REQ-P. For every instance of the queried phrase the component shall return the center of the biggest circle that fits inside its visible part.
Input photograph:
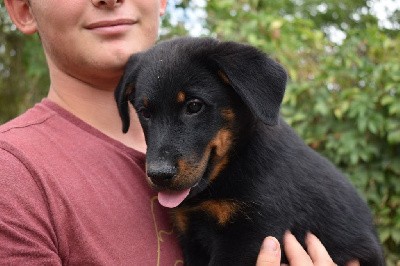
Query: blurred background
(343, 97)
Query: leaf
(394, 136)
(395, 234)
(394, 108)
(387, 99)
(394, 165)
(384, 234)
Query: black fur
(257, 163)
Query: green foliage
(349, 112)
(168, 29)
(342, 99)
(22, 55)
(23, 72)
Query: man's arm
(26, 229)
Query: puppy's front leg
(238, 253)
(194, 254)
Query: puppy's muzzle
(161, 174)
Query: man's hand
(316, 255)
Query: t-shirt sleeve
(27, 236)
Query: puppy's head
(193, 97)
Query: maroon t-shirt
(70, 195)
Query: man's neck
(96, 107)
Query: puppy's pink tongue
(171, 199)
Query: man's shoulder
(26, 131)
(35, 116)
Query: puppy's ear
(256, 78)
(125, 88)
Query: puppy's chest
(212, 214)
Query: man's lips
(110, 23)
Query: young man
(72, 186)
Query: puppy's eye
(194, 106)
(145, 113)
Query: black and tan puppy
(231, 170)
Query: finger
(353, 263)
(270, 253)
(295, 253)
(317, 251)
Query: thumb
(270, 253)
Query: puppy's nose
(161, 173)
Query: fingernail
(310, 236)
(270, 244)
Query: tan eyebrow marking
(224, 77)
(181, 97)
(145, 102)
